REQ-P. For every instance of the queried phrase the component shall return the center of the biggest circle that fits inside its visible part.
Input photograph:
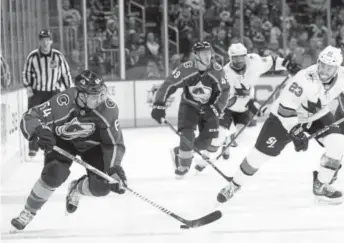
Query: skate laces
(229, 190)
(25, 216)
(74, 196)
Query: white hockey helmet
(331, 56)
(329, 61)
(237, 49)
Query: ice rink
(276, 207)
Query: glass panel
(103, 38)
(222, 26)
(6, 45)
(55, 25)
(73, 35)
(144, 39)
(337, 24)
(306, 29)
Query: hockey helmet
(237, 49)
(201, 45)
(88, 82)
(331, 56)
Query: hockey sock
(249, 166)
(83, 187)
(185, 158)
(328, 168)
(39, 195)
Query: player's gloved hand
(45, 138)
(158, 112)
(118, 174)
(210, 111)
(299, 138)
(254, 107)
(290, 65)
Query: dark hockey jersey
(199, 88)
(84, 128)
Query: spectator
(70, 16)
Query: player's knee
(55, 173)
(189, 135)
(202, 143)
(334, 145)
(98, 186)
(217, 142)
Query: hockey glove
(299, 138)
(210, 111)
(290, 65)
(254, 107)
(158, 112)
(118, 174)
(44, 137)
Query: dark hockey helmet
(88, 82)
(45, 33)
(201, 45)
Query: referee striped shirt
(46, 72)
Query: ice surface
(276, 207)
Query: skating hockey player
(83, 121)
(205, 95)
(303, 107)
(242, 72)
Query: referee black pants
(38, 98)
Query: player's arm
(222, 93)
(173, 82)
(36, 117)
(111, 137)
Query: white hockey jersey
(242, 82)
(305, 98)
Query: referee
(46, 73)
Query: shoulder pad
(107, 112)
(66, 97)
(217, 66)
(109, 103)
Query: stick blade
(202, 221)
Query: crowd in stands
(303, 31)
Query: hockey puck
(184, 226)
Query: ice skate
(20, 222)
(227, 192)
(73, 196)
(325, 192)
(180, 170)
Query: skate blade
(14, 230)
(325, 201)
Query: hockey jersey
(242, 82)
(199, 88)
(84, 128)
(305, 98)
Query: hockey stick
(192, 146)
(186, 223)
(259, 110)
(325, 129)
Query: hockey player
(340, 111)
(205, 95)
(242, 72)
(303, 107)
(83, 121)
